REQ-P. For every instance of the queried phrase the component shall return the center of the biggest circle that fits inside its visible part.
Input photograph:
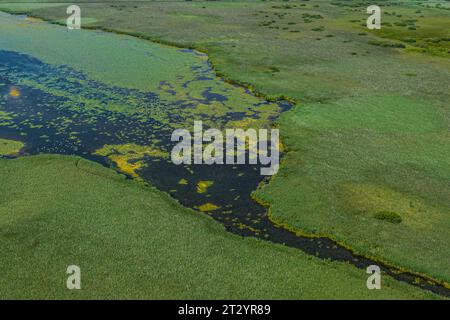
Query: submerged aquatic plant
(202, 186)
(207, 207)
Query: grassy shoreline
(343, 244)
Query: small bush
(386, 44)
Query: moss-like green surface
(135, 242)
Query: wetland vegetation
(10, 147)
(366, 137)
(135, 242)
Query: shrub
(388, 216)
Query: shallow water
(75, 108)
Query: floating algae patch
(117, 102)
(10, 147)
(129, 158)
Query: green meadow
(371, 172)
(366, 162)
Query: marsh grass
(134, 242)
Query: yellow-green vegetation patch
(84, 21)
(10, 147)
(422, 28)
(207, 207)
(129, 157)
(202, 186)
(389, 216)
